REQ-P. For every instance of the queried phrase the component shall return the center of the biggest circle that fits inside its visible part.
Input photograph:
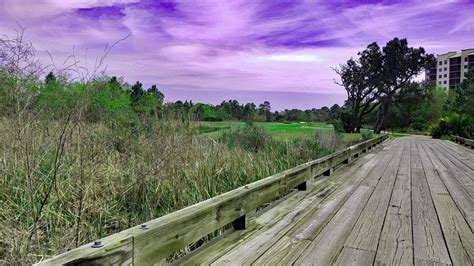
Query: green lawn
(282, 131)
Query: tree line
(112, 97)
(232, 110)
(382, 93)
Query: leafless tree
(19, 68)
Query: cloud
(22, 9)
(241, 45)
(292, 58)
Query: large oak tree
(400, 65)
(360, 78)
(373, 80)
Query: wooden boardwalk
(408, 201)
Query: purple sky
(253, 50)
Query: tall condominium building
(451, 68)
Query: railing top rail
(163, 236)
(461, 140)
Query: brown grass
(65, 183)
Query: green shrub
(307, 149)
(455, 124)
(418, 124)
(366, 134)
(337, 125)
(250, 138)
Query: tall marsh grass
(66, 182)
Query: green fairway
(280, 131)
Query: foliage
(112, 178)
(417, 106)
(360, 78)
(85, 158)
(264, 109)
(373, 80)
(204, 112)
(465, 98)
(337, 125)
(251, 138)
(367, 134)
(454, 124)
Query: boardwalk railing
(463, 141)
(156, 240)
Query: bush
(307, 149)
(337, 125)
(419, 124)
(329, 140)
(250, 138)
(366, 134)
(455, 124)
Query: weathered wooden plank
(420, 262)
(459, 194)
(253, 200)
(117, 250)
(309, 227)
(256, 245)
(462, 154)
(253, 247)
(459, 149)
(463, 141)
(428, 241)
(270, 216)
(271, 225)
(366, 232)
(463, 173)
(290, 249)
(373, 178)
(395, 246)
(327, 245)
(212, 251)
(464, 161)
(459, 238)
(352, 256)
(175, 231)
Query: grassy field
(59, 192)
(281, 131)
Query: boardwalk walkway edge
(463, 141)
(156, 240)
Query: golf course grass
(281, 131)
